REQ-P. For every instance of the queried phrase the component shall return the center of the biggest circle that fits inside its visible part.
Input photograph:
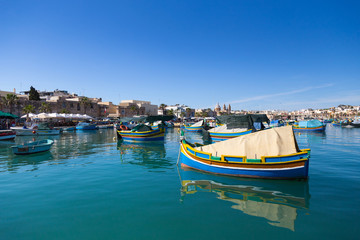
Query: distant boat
(277, 123)
(356, 122)
(85, 126)
(7, 134)
(336, 123)
(33, 147)
(36, 129)
(272, 153)
(310, 125)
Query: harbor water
(92, 186)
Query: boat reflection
(275, 200)
(150, 154)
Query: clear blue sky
(251, 54)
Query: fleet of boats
(249, 145)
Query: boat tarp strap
(269, 142)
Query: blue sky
(252, 54)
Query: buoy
(33, 132)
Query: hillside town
(61, 101)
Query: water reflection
(275, 200)
(151, 155)
(67, 145)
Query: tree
(64, 111)
(85, 101)
(134, 109)
(170, 112)
(163, 108)
(10, 100)
(34, 94)
(45, 107)
(188, 112)
(28, 109)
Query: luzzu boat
(272, 153)
(336, 123)
(234, 126)
(196, 127)
(310, 125)
(141, 133)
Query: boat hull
(314, 129)
(294, 166)
(92, 127)
(222, 136)
(148, 136)
(7, 135)
(31, 132)
(35, 147)
(193, 129)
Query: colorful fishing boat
(255, 197)
(141, 133)
(237, 125)
(196, 127)
(272, 153)
(33, 147)
(7, 134)
(276, 123)
(336, 123)
(313, 125)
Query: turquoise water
(90, 186)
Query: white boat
(36, 129)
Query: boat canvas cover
(270, 142)
(198, 124)
(224, 129)
(310, 123)
(243, 121)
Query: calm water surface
(90, 186)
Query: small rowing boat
(33, 147)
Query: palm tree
(85, 101)
(163, 108)
(10, 100)
(170, 112)
(45, 107)
(188, 112)
(134, 109)
(28, 109)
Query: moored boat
(85, 126)
(7, 134)
(310, 125)
(229, 127)
(272, 153)
(196, 127)
(356, 122)
(36, 129)
(33, 147)
(141, 133)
